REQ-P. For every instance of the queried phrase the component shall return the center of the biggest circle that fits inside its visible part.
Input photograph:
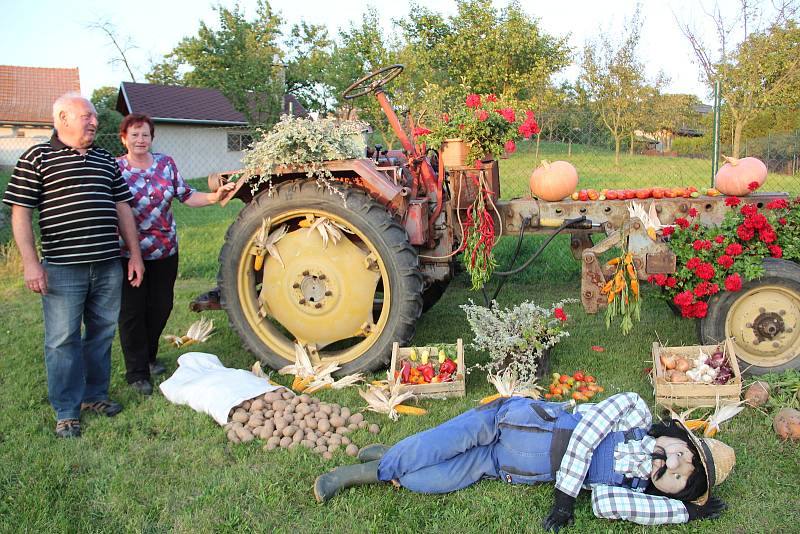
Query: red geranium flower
(713, 289)
(560, 315)
(702, 289)
(749, 210)
(776, 251)
(768, 235)
(733, 282)
(483, 115)
(752, 186)
(734, 249)
(510, 146)
(445, 118)
(683, 299)
(756, 221)
(732, 201)
(725, 261)
(705, 271)
(508, 114)
(667, 231)
(658, 279)
(778, 203)
(693, 263)
(744, 233)
(473, 101)
(699, 309)
(420, 130)
(701, 244)
(683, 223)
(491, 97)
(692, 212)
(719, 239)
(671, 281)
(782, 221)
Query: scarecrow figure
(638, 471)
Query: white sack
(204, 384)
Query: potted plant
(483, 127)
(518, 339)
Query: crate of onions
(696, 375)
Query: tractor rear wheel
(345, 299)
(763, 318)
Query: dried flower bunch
(711, 260)
(516, 337)
(296, 141)
(488, 123)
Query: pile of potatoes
(287, 420)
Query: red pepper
(426, 371)
(447, 366)
(444, 377)
(405, 372)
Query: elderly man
(82, 201)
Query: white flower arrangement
(517, 337)
(307, 143)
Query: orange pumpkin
(734, 177)
(554, 181)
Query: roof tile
(27, 93)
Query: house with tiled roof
(198, 127)
(26, 105)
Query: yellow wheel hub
(322, 294)
(764, 322)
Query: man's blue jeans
(79, 366)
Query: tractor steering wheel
(363, 85)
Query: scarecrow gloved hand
(561, 514)
(710, 510)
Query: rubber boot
(329, 484)
(372, 452)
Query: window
(239, 141)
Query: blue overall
(512, 439)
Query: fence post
(715, 155)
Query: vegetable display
(585, 195)
(578, 386)
(286, 420)
(479, 235)
(420, 368)
(706, 369)
(622, 290)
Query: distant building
(26, 106)
(198, 127)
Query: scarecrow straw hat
(717, 458)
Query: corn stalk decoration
(622, 290)
(309, 378)
(388, 399)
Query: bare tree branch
(110, 31)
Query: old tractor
(350, 300)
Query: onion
(679, 376)
(682, 365)
(668, 361)
(717, 360)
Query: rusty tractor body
(350, 299)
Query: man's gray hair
(63, 102)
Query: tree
(668, 115)
(613, 80)
(122, 47)
(761, 71)
(308, 54)
(108, 119)
(241, 59)
(488, 50)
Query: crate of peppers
(431, 372)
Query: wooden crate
(692, 394)
(456, 388)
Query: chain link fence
(679, 157)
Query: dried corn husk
(385, 400)
(198, 332)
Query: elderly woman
(638, 471)
(154, 181)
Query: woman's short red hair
(134, 119)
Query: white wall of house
(197, 150)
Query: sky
(49, 33)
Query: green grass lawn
(158, 467)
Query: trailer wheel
(345, 301)
(763, 318)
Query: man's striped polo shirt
(76, 195)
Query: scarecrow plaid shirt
(153, 190)
(620, 412)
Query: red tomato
(643, 193)
(583, 195)
(611, 195)
(578, 376)
(691, 189)
(669, 193)
(588, 378)
(592, 194)
(629, 194)
(563, 379)
(658, 193)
